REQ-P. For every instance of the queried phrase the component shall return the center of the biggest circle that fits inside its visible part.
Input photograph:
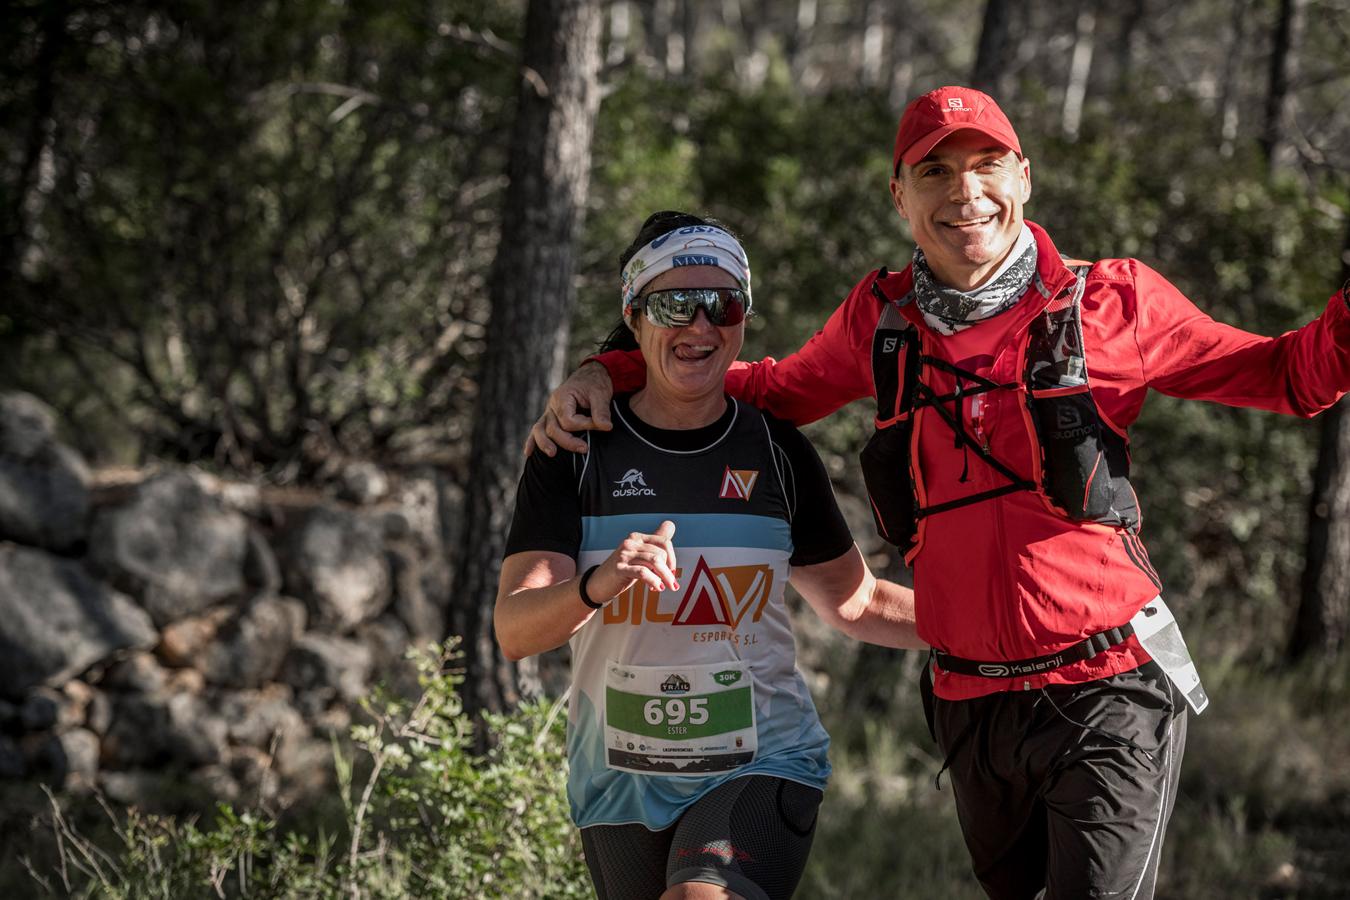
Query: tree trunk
(1323, 619)
(1230, 88)
(1080, 68)
(1129, 43)
(991, 59)
(871, 59)
(902, 52)
(1283, 71)
(531, 291)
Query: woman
(697, 760)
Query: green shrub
(423, 815)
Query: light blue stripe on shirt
(691, 530)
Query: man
(1005, 378)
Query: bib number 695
(674, 711)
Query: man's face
(963, 203)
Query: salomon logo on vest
(632, 484)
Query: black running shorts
(1068, 789)
(750, 835)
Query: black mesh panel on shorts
(758, 827)
(626, 861)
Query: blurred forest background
(267, 239)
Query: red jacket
(1007, 578)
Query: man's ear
(1026, 180)
(898, 195)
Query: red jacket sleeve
(1187, 354)
(832, 369)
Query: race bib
(679, 720)
(1160, 636)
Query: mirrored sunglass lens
(677, 307)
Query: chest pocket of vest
(885, 458)
(1085, 464)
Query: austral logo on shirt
(721, 597)
(738, 483)
(632, 484)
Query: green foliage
(424, 815)
(254, 235)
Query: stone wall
(165, 628)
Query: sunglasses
(677, 307)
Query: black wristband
(581, 589)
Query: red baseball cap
(931, 118)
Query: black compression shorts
(750, 835)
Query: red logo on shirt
(738, 483)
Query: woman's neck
(673, 413)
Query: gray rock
(387, 638)
(259, 782)
(98, 715)
(418, 609)
(137, 787)
(258, 718)
(261, 569)
(175, 546)
(139, 732)
(140, 673)
(12, 762)
(72, 758)
(337, 565)
(48, 708)
(362, 483)
(322, 669)
(183, 643)
(151, 730)
(196, 735)
(216, 781)
(418, 511)
(56, 621)
(249, 650)
(44, 493)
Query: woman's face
(689, 362)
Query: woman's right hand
(590, 388)
(649, 558)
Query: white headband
(693, 245)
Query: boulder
(44, 485)
(138, 733)
(182, 643)
(56, 621)
(388, 642)
(261, 569)
(362, 483)
(257, 718)
(139, 673)
(259, 783)
(197, 735)
(336, 563)
(417, 597)
(141, 788)
(98, 715)
(49, 708)
(72, 758)
(322, 669)
(12, 762)
(217, 782)
(153, 729)
(249, 650)
(175, 546)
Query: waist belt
(1085, 649)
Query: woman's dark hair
(657, 224)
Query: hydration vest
(1081, 464)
